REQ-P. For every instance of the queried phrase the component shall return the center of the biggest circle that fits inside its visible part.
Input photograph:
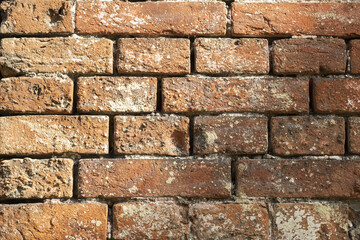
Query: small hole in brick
(56, 15)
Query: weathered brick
(308, 135)
(230, 134)
(354, 220)
(53, 221)
(300, 178)
(158, 220)
(164, 135)
(310, 221)
(36, 135)
(185, 177)
(64, 55)
(336, 95)
(355, 56)
(153, 55)
(151, 18)
(231, 94)
(51, 94)
(116, 94)
(36, 17)
(354, 135)
(286, 19)
(309, 56)
(32, 178)
(226, 55)
(230, 221)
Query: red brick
(230, 134)
(157, 220)
(286, 19)
(308, 135)
(309, 56)
(116, 94)
(226, 55)
(185, 177)
(354, 135)
(355, 56)
(231, 94)
(230, 221)
(153, 55)
(53, 221)
(164, 135)
(151, 18)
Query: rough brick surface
(353, 135)
(151, 18)
(205, 178)
(36, 95)
(230, 221)
(226, 55)
(116, 94)
(32, 178)
(159, 220)
(164, 135)
(247, 94)
(230, 134)
(64, 55)
(300, 178)
(286, 19)
(310, 221)
(308, 135)
(309, 56)
(87, 221)
(36, 17)
(36, 135)
(153, 55)
(355, 56)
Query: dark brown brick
(355, 56)
(354, 135)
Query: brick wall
(179, 120)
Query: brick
(53, 221)
(310, 221)
(157, 220)
(297, 178)
(153, 55)
(230, 134)
(151, 18)
(116, 94)
(233, 94)
(309, 56)
(243, 56)
(63, 55)
(354, 56)
(41, 135)
(308, 135)
(354, 220)
(230, 221)
(33, 178)
(336, 95)
(185, 177)
(353, 135)
(36, 17)
(163, 135)
(51, 94)
(286, 19)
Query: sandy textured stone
(151, 18)
(226, 55)
(230, 134)
(164, 135)
(286, 19)
(231, 94)
(42, 221)
(50, 94)
(158, 220)
(153, 55)
(32, 178)
(355, 56)
(230, 221)
(64, 55)
(36, 17)
(36, 135)
(116, 94)
(308, 135)
(353, 135)
(309, 56)
(299, 221)
(184, 177)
